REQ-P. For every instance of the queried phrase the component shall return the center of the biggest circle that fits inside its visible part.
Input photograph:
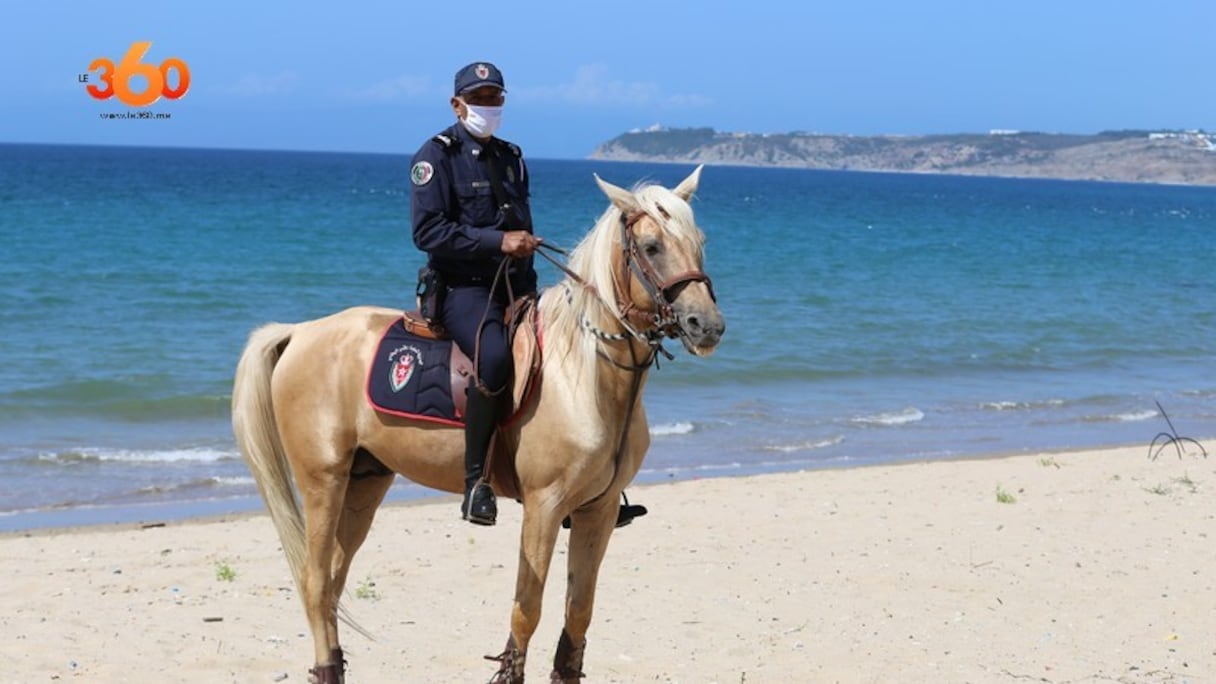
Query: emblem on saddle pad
(408, 358)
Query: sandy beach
(1096, 566)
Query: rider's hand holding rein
(519, 243)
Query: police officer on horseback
(470, 214)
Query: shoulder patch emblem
(421, 173)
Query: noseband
(662, 292)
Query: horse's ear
(688, 186)
(622, 198)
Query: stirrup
(628, 512)
(479, 506)
(624, 515)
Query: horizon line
(233, 149)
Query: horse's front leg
(590, 529)
(537, 539)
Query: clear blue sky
(376, 76)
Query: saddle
(419, 374)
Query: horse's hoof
(332, 673)
(510, 664)
(326, 674)
(568, 661)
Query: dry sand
(1102, 570)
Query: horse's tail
(257, 435)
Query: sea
(872, 318)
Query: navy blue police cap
(476, 75)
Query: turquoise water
(871, 317)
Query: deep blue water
(871, 317)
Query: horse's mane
(570, 350)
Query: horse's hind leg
(363, 497)
(590, 530)
(322, 483)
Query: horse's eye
(651, 248)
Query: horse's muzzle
(701, 330)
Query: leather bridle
(662, 292)
(655, 325)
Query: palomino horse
(299, 413)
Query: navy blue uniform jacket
(457, 220)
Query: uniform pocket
(477, 204)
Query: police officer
(469, 208)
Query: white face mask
(482, 122)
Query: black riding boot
(481, 414)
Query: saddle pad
(411, 376)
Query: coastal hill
(1178, 157)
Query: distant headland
(1134, 156)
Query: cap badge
(482, 71)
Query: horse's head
(661, 258)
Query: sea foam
(908, 415)
(668, 429)
(98, 454)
